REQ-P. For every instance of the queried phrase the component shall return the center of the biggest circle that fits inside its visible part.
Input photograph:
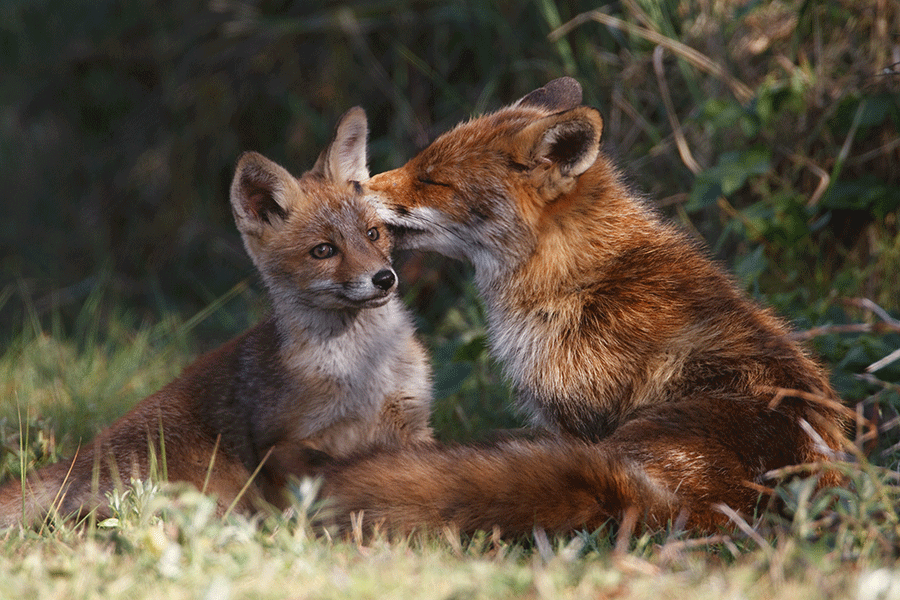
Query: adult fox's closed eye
(336, 368)
(652, 374)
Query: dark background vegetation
(768, 128)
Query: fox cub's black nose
(384, 279)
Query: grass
(168, 543)
(769, 129)
(189, 553)
(165, 539)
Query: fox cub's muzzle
(366, 291)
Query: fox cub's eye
(323, 251)
(373, 234)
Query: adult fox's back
(653, 376)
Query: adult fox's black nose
(384, 279)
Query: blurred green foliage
(120, 123)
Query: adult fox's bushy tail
(513, 485)
(653, 377)
(673, 465)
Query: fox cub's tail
(45, 494)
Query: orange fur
(336, 368)
(650, 373)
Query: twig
(841, 467)
(679, 198)
(888, 324)
(863, 437)
(639, 119)
(60, 498)
(867, 304)
(683, 150)
(543, 544)
(356, 527)
(745, 527)
(880, 364)
(350, 26)
(782, 393)
(622, 560)
(626, 528)
(869, 378)
(851, 135)
(822, 174)
(818, 443)
(888, 425)
(250, 481)
(891, 449)
(699, 60)
(451, 533)
(848, 328)
(829, 403)
(639, 13)
(212, 462)
(867, 156)
(675, 547)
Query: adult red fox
(335, 368)
(655, 379)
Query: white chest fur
(350, 370)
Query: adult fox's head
(315, 240)
(481, 190)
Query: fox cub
(661, 388)
(334, 369)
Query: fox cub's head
(314, 239)
(482, 187)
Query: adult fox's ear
(344, 159)
(560, 148)
(261, 193)
(558, 95)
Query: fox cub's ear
(344, 160)
(561, 147)
(261, 193)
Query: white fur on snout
(360, 292)
(485, 246)
(428, 228)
